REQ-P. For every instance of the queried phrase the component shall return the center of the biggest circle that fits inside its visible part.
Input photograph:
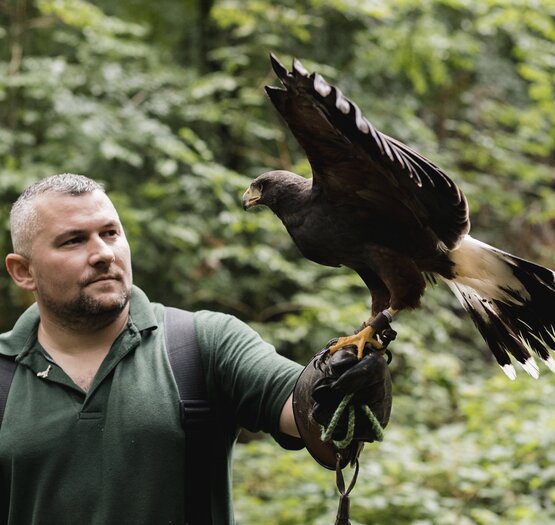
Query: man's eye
(73, 240)
(110, 233)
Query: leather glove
(320, 389)
(367, 381)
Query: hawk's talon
(376, 332)
(365, 336)
(389, 355)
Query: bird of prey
(378, 207)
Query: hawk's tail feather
(510, 300)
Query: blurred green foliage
(163, 101)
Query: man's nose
(101, 252)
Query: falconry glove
(340, 402)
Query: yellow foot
(360, 339)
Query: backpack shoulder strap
(184, 355)
(185, 360)
(7, 371)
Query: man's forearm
(287, 423)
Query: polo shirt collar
(24, 333)
(141, 311)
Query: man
(91, 432)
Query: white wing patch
(510, 301)
(487, 271)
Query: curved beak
(251, 197)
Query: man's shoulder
(217, 331)
(17, 340)
(212, 322)
(215, 319)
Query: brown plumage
(380, 208)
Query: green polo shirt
(114, 455)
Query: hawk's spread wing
(355, 164)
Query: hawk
(378, 207)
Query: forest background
(163, 101)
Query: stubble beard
(86, 313)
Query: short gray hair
(23, 215)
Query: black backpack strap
(7, 371)
(185, 360)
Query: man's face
(80, 259)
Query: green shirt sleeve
(246, 377)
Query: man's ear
(18, 267)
